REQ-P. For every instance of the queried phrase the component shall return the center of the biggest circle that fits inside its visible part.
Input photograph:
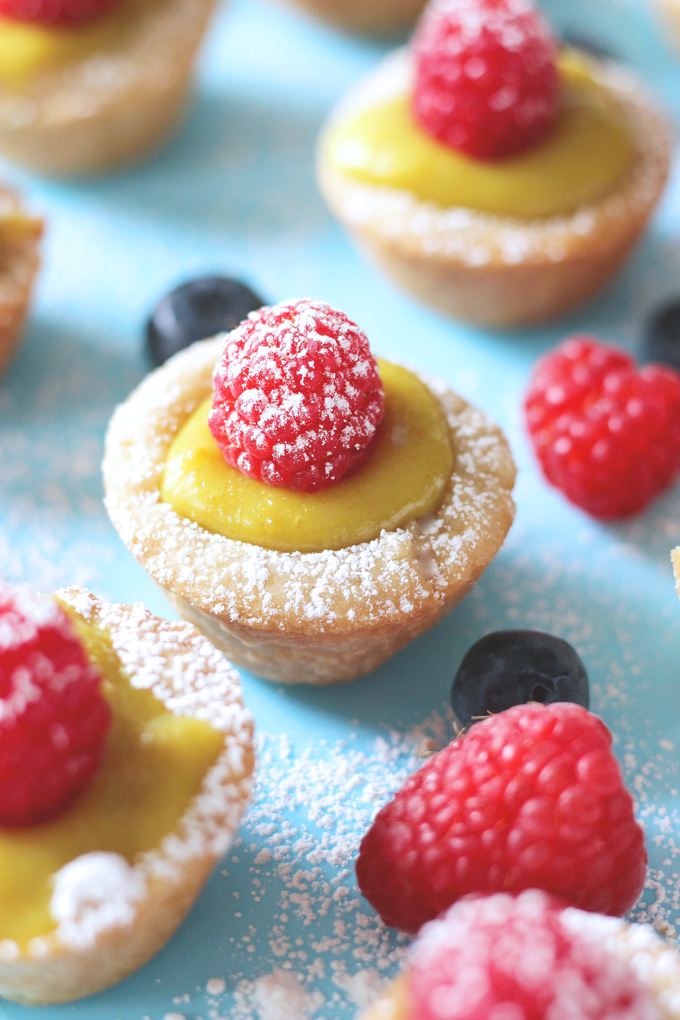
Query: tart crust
(495, 270)
(19, 264)
(112, 107)
(185, 673)
(313, 618)
(378, 17)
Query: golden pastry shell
(304, 617)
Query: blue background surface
(234, 193)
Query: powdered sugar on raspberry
(503, 955)
(297, 396)
(654, 961)
(22, 617)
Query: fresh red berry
(520, 957)
(55, 12)
(606, 433)
(486, 78)
(297, 396)
(53, 716)
(532, 797)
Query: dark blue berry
(662, 336)
(576, 41)
(196, 310)
(513, 667)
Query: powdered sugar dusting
(94, 892)
(318, 945)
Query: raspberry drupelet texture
(53, 716)
(486, 78)
(55, 12)
(514, 956)
(297, 396)
(606, 433)
(529, 798)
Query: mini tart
(189, 677)
(655, 962)
(313, 618)
(379, 17)
(112, 107)
(490, 269)
(20, 236)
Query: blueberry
(576, 41)
(662, 336)
(196, 310)
(513, 667)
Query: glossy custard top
(407, 471)
(585, 156)
(27, 49)
(154, 765)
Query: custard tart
(86, 98)
(91, 892)
(501, 240)
(308, 587)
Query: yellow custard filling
(405, 477)
(154, 765)
(585, 156)
(27, 49)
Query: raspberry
(55, 12)
(297, 396)
(486, 78)
(605, 433)
(517, 956)
(532, 797)
(53, 717)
